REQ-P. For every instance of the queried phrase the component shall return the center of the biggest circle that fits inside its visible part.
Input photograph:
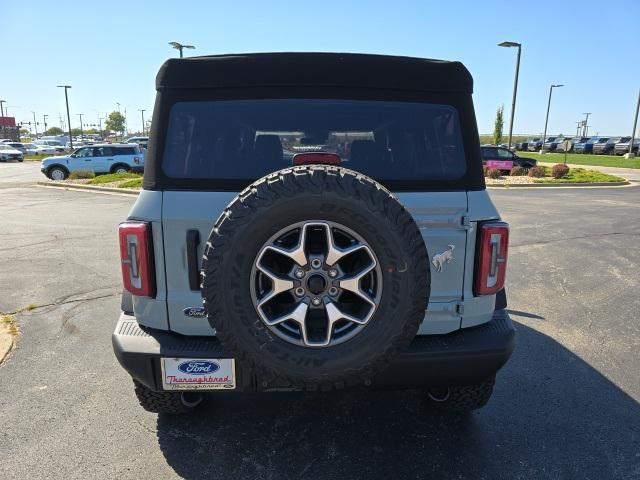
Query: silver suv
(313, 222)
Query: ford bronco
(313, 221)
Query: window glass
(104, 151)
(488, 153)
(85, 152)
(504, 154)
(246, 139)
(125, 150)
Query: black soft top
(314, 70)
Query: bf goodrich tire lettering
(320, 195)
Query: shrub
(81, 174)
(518, 171)
(485, 169)
(494, 173)
(559, 170)
(537, 172)
(133, 183)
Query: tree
(115, 122)
(75, 132)
(497, 126)
(54, 131)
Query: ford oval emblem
(195, 312)
(198, 367)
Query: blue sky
(110, 51)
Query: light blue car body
(107, 158)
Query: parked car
(57, 146)
(551, 144)
(587, 146)
(606, 147)
(524, 145)
(31, 149)
(302, 290)
(622, 146)
(17, 145)
(571, 145)
(537, 145)
(142, 141)
(99, 159)
(8, 153)
(503, 159)
(46, 150)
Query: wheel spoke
(296, 253)
(352, 284)
(334, 315)
(279, 285)
(298, 315)
(334, 253)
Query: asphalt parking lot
(565, 406)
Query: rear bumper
(460, 358)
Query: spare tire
(315, 277)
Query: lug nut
(333, 291)
(333, 273)
(316, 301)
(316, 263)
(299, 273)
(299, 292)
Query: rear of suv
(302, 230)
(99, 159)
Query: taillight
(136, 257)
(491, 258)
(322, 158)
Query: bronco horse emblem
(440, 259)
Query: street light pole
(2, 109)
(515, 85)
(546, 121)
(81, 133)
(142, 113)
(180, 47)
(633, 132)
(35, 124)
(66, 98)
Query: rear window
(246, 139)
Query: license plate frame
(198, 373)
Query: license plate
(198, 373)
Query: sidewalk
(632, 174)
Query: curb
(126, 191)
(561, 185)
(66, 186)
